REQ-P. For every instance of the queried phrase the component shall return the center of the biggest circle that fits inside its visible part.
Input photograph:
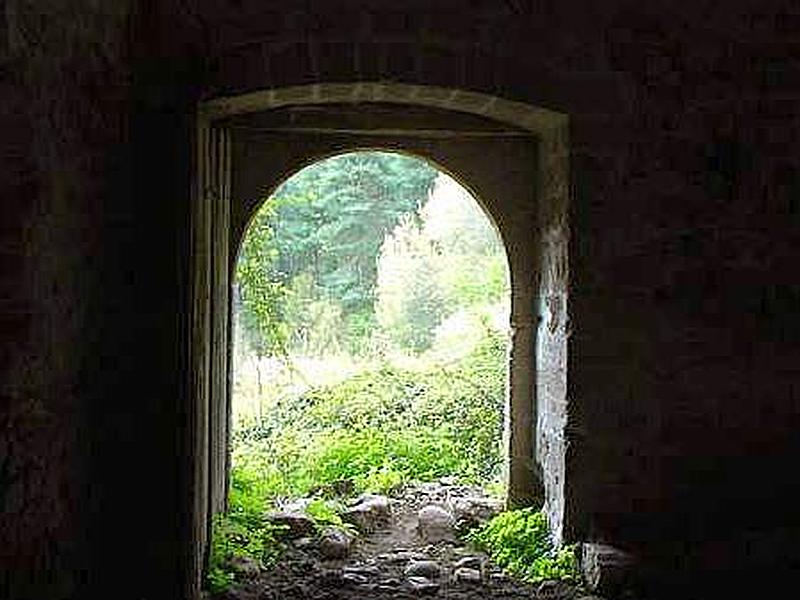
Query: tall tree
(447, 259)
(332, 216)
(312, 249)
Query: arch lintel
(540, 121)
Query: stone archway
(234, 132)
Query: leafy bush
(326, 513)
(383, 427)
(519, 541)
(259, 294)
(242, 532)
(377, 460)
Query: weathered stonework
(682, 413)
(553, 325)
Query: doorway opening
(373, 275)
(515, 159)
(371, 328)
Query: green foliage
(241, 532)
(473, 268)
(410, 301)
(376, 460)
(331, 217)
(326, 513)
(473, 280)
(356, 241)
(313, 318)
(308, 259)
(445, 259)
(519, 541)
(381, 428)
(219, 577)
(260, 295)
(358, 332)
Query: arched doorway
(370, 336)
(515, 158)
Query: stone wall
(552, 337)
(54, 148)
(90, 407)
(681, 440)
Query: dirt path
(409, 551)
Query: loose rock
(298, 505)
(367, 570)
(395, 561)
(435, 523)
(304, 543)
(423, 568)
(334, 543)
(553, 589)
(354, 578)
(297, 524)
(423, 585)
(467, 575)
(369, 512)
(402, 556)
(330, 578)
(468, 562)
(368, 587)
(471, 511)
(247, 567)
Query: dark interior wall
(91, 486)
(684, 336)
(55, 142)
(683, 294)
(41, 478)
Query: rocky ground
(407, 548)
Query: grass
(519, 541)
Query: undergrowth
(519, 541)
(242, 532)
(372, 432)
(382, 428)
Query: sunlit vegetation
(381, 427)
(372, 303)
(519, 541)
